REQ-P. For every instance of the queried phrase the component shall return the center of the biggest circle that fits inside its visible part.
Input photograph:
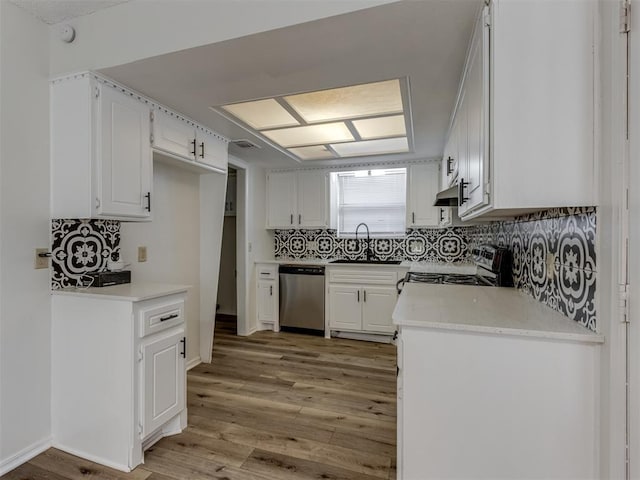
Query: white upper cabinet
(313, 189)
(524, 121)
(423, 185)
(101, 164)
(181, 139)
(297, 199)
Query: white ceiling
(424, 40)
(56, 11)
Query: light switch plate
(142, 254)
(551, 265)
(41, 262)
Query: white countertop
(133, 292)
(413, 266)
(495, 310)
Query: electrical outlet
(41, 262)
(551, 265)
(142, 254)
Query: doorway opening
(227, 297)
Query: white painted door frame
(242, 228)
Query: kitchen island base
(479, 405)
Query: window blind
(375, 197)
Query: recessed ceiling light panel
(377, 98)
(262, 114)
(310, 135)
(315, 152)
(372, 147)
(380, 127)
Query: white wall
(142, 29)
(25, 308)
(172, 240)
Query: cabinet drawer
(267, 272)
(368, 276)
(158, 317)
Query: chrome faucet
(368, 251)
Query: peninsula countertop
(494, 310)
(133, 292)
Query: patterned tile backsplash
(81, 246)
(566, 236)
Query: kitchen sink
(368, 262)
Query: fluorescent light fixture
(310, 135)
(315, 152)
(262, 114)
(380, 127)
(348, 102)
(351, 121)
(372, 147)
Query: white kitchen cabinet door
(313, 199)
(476, 88)
(124, 155)
(345, 310)
(424, 182)
(173, 135)
(267, 301)
(211, 151)
(281, 200)
(163, 381)
(377, 307)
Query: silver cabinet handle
(364, 293)
(271, 290)
(299, 219)
(358, 296)
(413, 217)
(292, 219)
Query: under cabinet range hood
(447, 198)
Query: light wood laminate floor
(272, 406)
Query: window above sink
(374, 197)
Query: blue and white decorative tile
(81, 246)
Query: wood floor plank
(271, 406)
(75, 468)
(29, 471)
(359, 460)
(284, 467)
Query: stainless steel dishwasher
(302, 297)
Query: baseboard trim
(24, 455)
(92, 458)
(194, 363)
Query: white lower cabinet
(377, 306)
(495, 405)
(267, 294)
(118, 373)
(163, 380)
(362, 300)
(345, 311)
